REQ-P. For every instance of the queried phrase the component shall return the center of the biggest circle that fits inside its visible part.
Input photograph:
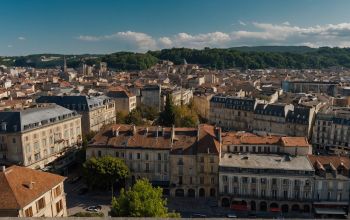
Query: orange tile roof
(13, 192)
(336, 161)
(295, 142)
(236, 138)
(186, 140)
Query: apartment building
(331, 132)
(332, 184)
(234, 113)
(230, 112)
(124, 101)
(273, 183)
(30, 193)
(184, 161)
(295, 86)
(38, 136)
(96, 111)
(194, 161)
(145, 150)
(151, 96)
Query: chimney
(146, 131)
(157, 133)
(3, 168)
(172, 133)
(134, 130)
(117, 132)
(3, 126)
(163, 132)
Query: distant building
(96, 111)
(329, 88)
(30, 193)
(36, 137)
(124, 101)
(247, 114)
(201, 103)
(151, 96)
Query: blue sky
(105, 26)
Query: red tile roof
(14, 194)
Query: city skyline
(76, 27)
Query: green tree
(121, 117)
(103, 172)
(167, 117)
(134, 117)
(141, 200)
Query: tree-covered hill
(240, 57)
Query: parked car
(94, 208)
(74, 180)
(83, 191)
(231, 215)
(198, 216)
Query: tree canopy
(167, 116)
(141, 200)
(103, 172)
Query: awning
(327, 211)
(275, 209)
(239, 207)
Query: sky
(106, 26)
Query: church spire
(64, 64)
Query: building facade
(124, 101)
(332, 184)
(263, 183)
(96, 111)
(36, 137)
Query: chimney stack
(3, 168)
(134, 130)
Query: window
(130, 156)
(245, 179)
(235, 179)
(59, 206)
(224, 179)
(29, 212)
(138, 156)
(147, 157)
(263, 193)
(202, 159)
(285, 194)
(147, 167)
(159, 167)
(226, 189)
(40, 204)
(14, 140)
(117, 154)
(99, 153)
(180, 180)
(202, 169)
(190, 180)
(263, 180)
(201, 180)
(211, 159)
(165, 168)
(253, 180)
(212, 180)
(57, 191)
(274, 181)
(274, 193)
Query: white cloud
(142, 41)
(21, 38)
(242, 23)
(258, 34)
(9, 46)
